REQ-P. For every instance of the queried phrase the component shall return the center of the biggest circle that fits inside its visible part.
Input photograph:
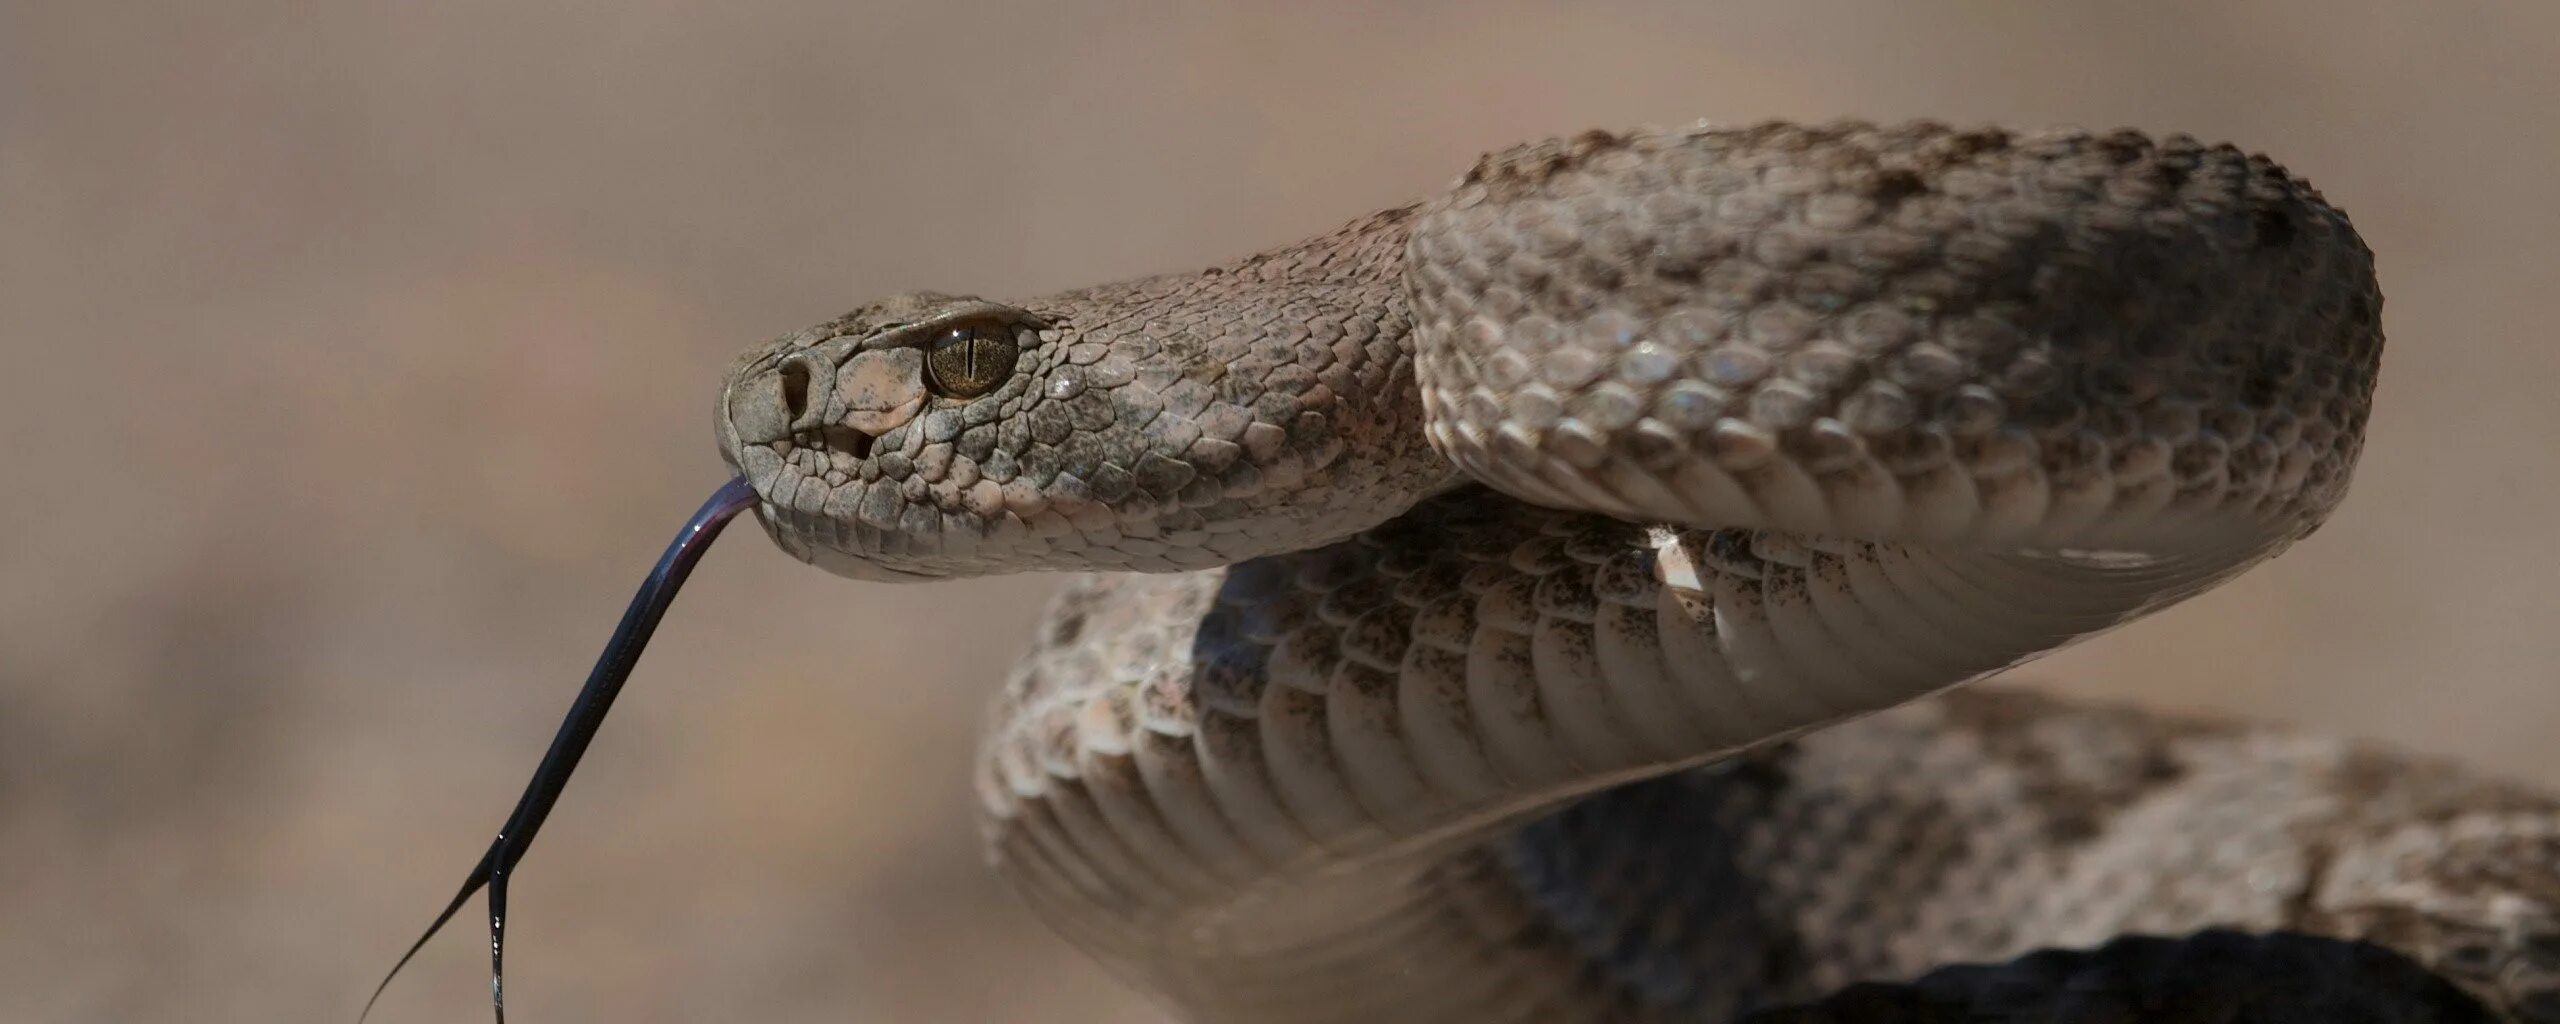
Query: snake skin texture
(1542, 603)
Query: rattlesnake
(1517, 606)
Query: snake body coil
(1487, 601)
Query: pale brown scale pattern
(2023, 305)
(1533, 604)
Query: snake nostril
(795, 389)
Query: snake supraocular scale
(1486, 600)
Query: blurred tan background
(356, 358)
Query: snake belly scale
(1518, 606)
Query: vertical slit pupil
(969, 360)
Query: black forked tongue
(596, 698)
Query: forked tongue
(567, 746)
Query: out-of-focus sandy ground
(355, 358)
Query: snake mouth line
(857, 549)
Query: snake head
(852, 432)
(1166, 424)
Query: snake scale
(1517, 606)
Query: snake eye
(969, 360)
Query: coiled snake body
(1486, 601)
